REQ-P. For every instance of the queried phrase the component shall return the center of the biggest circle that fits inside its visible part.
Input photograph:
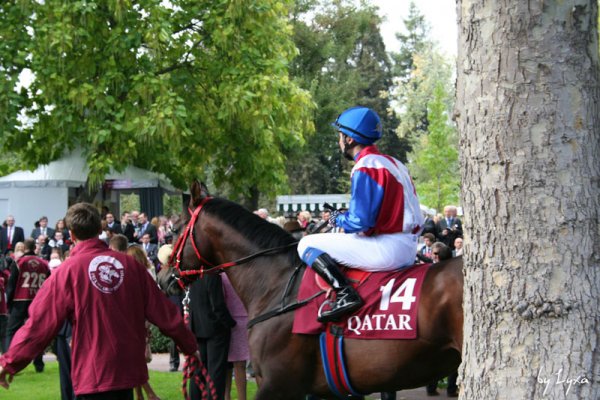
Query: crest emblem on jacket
(106, 273)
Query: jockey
(382, 223)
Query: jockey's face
(346, 146)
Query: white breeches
(369, 253)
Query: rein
(217, 269)
(209, 268)
(284, 308)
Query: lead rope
(193, 363)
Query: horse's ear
(198, 191)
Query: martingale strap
(334, 364)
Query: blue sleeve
(365, 202)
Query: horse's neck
(260, 283)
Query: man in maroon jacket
(107, 296)
(25, 280)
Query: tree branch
(186, 61)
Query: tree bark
(529, 123)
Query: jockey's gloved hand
(333, 215)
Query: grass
(29, 384)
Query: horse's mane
(262, 233)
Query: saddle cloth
(390, 310)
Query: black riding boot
(347, 299)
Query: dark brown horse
(288, 366)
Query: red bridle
(180, 245)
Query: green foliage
(129, 202)
(434, 163)
(172, 204)
(8, 163)
(167, 86)
(431, 69)
(424, 96)
(414, 41)
(159, 343)
(343, 63)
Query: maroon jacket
(107, 296)
(33, 271)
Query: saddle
(390, 310)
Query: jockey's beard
(346, 151)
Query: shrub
(159, 343)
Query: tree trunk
(529, 122)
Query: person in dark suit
(449, 227)
(150, 249)
(424, 253)
(43, 229)
(10, 235)
(112, 224)
(147, 227)
(211, 322)
(428, 226)
(59, 242)
(62, 349)
(127, 227)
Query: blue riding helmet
(360, 123)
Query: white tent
(27, 195)
(72, 171)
